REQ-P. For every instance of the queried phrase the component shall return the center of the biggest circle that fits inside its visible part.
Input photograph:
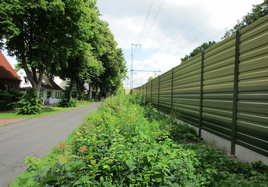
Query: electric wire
(221, 31)
(197, 25)
(155, 18)
(201, 34)
(146, 19)
(198, 36)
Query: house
(8, 76)
(50, 91)
(64, 84)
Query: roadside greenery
(28, 104)
(66, 100)
(128, 143)
(46, 110)
(7, 98)
(62, 38)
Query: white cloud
(180, 27)
(158, 61)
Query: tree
(113, 62)
(150, 79)
(198, 50)
(258, 11)
(39, 33)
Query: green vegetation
(28, 104)
(7, 98)
(150, 79)
(258, 11)
(198, 50)
(128, 143)
(63, 38)
(45, 111)
(66, 101)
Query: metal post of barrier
(146, 93)
(158, 91)
(201, 93)
(151, 91)
(236, 70)
(172, 89)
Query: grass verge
(125, 144)
(46, 111)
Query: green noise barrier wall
(223, 90)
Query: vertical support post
(235, 92)
(172, 89)
(158, 92)
(146, 93)
(201, 93)
(151, 91)
(131, 68)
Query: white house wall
(22, 74)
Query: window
(26, 80)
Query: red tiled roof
(6, 70)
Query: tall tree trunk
(91, 89)
(35, 82)
(71, 87)
(97, 90)
(107, 91)
(101, 92)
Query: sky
(166, 29)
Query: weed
(123, 145)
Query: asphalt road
(35, 137)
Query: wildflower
(62, 146)
(82, 149)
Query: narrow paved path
(35, 137)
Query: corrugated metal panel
(127, 91)
(218, 88)
(252, 115)
(155, 92)
(186, 89)
(165, 92)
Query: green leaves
(28, 104)
(105, 152)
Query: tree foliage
(63, 38)
(258, 11)
(150, 78)
(198, 50)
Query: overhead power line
(221, 31)
(198, 36)
(197, 24)
(147, 15)
(155, 18)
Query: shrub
(28, 103)
(8, 98)
(67, 101)
(119, 146)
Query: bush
(65, 101)
(119, 146)
(8, 98)
(28, 104)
